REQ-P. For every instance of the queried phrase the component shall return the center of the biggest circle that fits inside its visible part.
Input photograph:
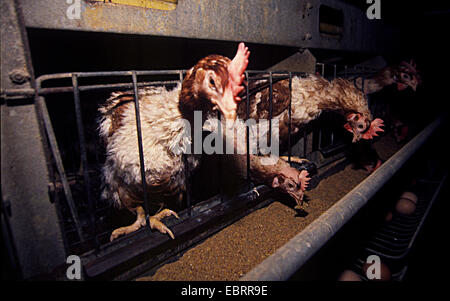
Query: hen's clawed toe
(156, 224)
(140, 222)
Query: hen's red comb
(304, 180)
(236, 70)
(375, 127)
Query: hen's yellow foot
(155, 223)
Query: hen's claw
(295, 159)
(158, 225)
(140, 222)
(155, 223)
(165, 213)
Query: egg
(407, 203)
(409, 195)
(385, 273)
(349, 275)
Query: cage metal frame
(75, 88)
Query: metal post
(24, 174)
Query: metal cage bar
(84, 162)
(140, 147)
(59, 165)
(290, 118)
(247, 130)
(270, 107)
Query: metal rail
(290, 257)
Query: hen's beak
(356, 134)
(299, 193)
(227, 105)
(401, 86)
(298, 197)
(413, 85)
(356, 125)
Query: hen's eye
(361, 126)
(405, 75)
(212, 83)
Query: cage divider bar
(305, 141)
(186, 168)
(127, 73)
(59, 165)
(247, 129)
(219, 170)
(320, 131)
(187, 184)
(270, 107)
(140, 147)
(290, 118)
(84, 162)
(320, 140)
